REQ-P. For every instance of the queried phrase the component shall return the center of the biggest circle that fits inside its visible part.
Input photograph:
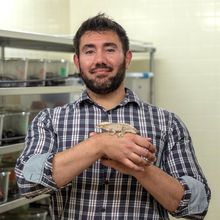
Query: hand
(122, 168)
(129, 150)
(118, 166)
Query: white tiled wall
(43, 16)
(187, 37)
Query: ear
(128, 58)
(76, 61)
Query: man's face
(101, 62)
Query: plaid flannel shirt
(100, 192)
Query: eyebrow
(108, 44)
(87, 46)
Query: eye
(110, 50)
(89, 52)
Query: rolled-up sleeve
(38, 170)
(182, 164)
(34, 165)
(195, 200)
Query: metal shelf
(59, 43)
(40, 90)
(35, 41)
(11, 148)
(20, 202)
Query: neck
(110, 100)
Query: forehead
(99, 38)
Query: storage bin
(36, 72)
(30, 214)
(4, 183)
(14, 125)
(56, 72)
(13, 72)
(1, 126)
(13, 190)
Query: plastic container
(13, 190)
(4, 183)
(14, 124)
(30, 214)
(1, 67)
(1, 126)
(56, 72)
(13, 72)
(73, 81)
(36, 72)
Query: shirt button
(102, 209)
(106, 182)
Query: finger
(149, 139)
(145, 143)
(149, 157)
(130, 164)
(142, 148)
(92, 134)
(119, 165)
(150, 147)
(137, 159)
(142, 151)
(147, 162)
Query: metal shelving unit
(58, 43)
(20, 202)
(43, 42)
(40, 90)
(11, 148)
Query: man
(94, 175)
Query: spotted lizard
(117, 128)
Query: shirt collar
(130, 97)
(83, 98)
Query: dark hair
(101, 23)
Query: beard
(106, 86)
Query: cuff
(194, 200)
(38, 169)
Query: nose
(99, 57)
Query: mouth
(101, 70)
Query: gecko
(117, 128)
